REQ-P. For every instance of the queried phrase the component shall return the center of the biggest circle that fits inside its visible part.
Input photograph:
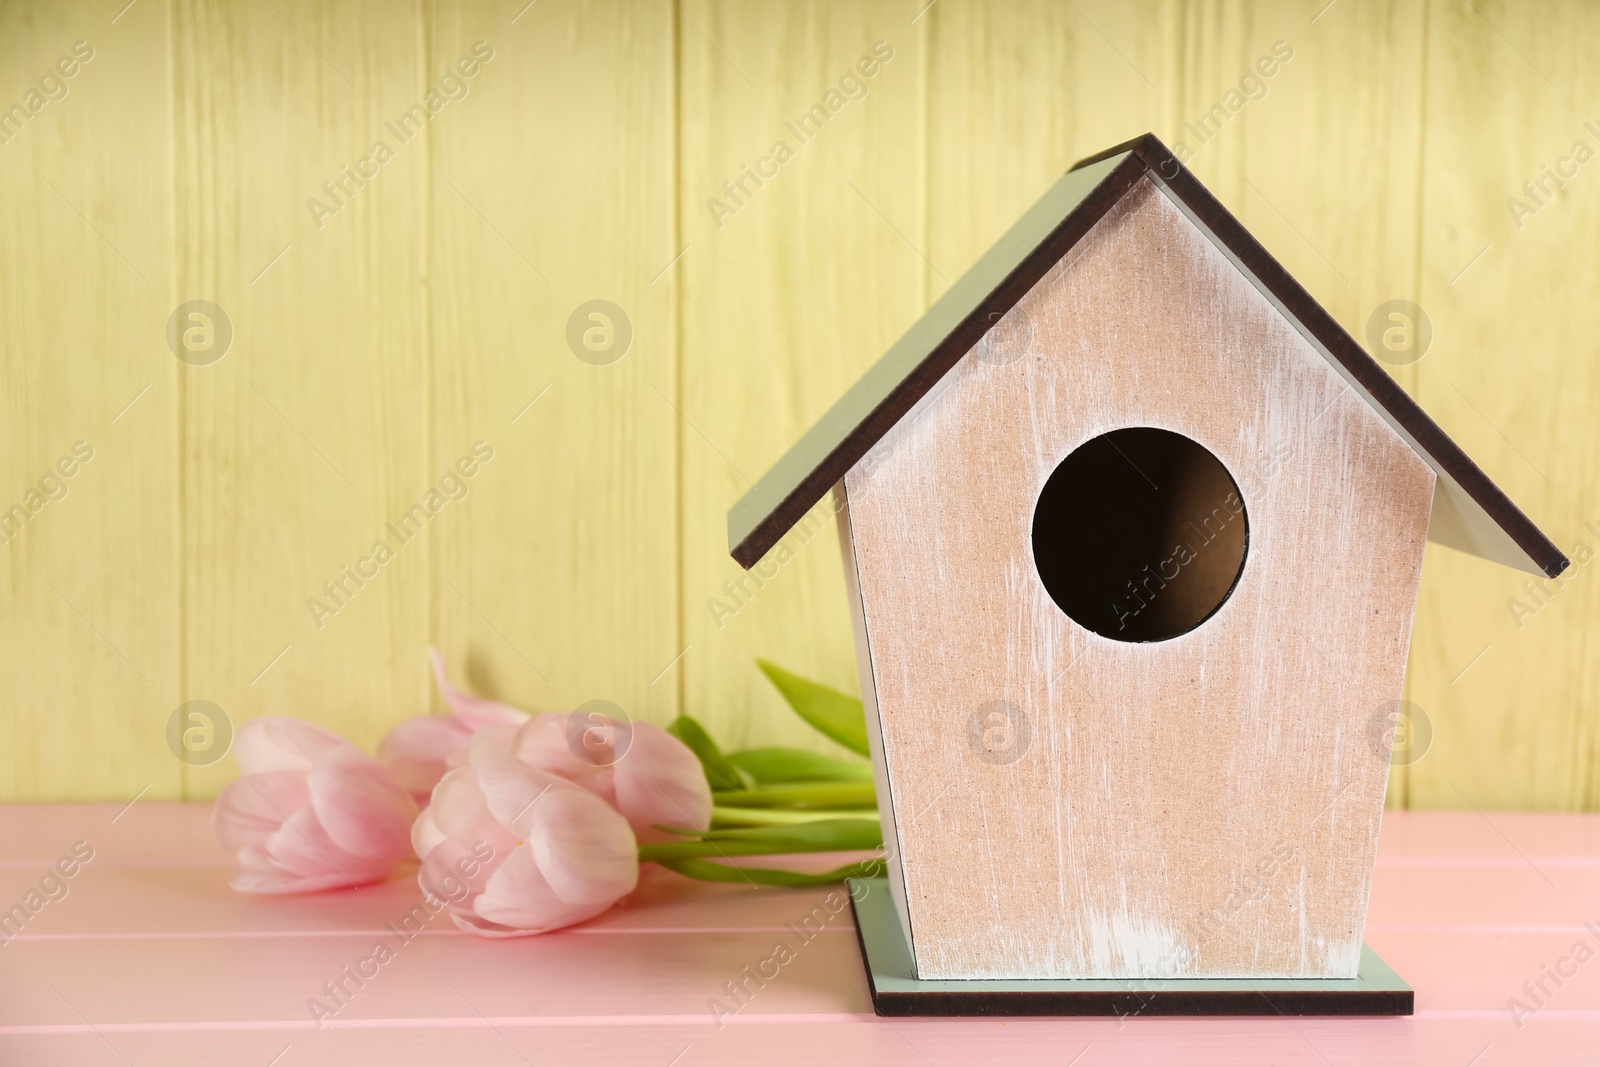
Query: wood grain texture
(557, 584)
(1143, 781)
(1337, 199)
(90, 562)
(894, 873)
(1078, 80)
(167, 965)
(1506, 670)
(785, 303)
(1377, 166)
(311, 433)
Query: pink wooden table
(149, 958)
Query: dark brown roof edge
(825, 461)
(1433, 442)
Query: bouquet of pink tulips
(529, 823)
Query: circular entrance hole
(1140, 534)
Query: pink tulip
(648, 775)
(311, 811)
(512, 850)
(419, 749)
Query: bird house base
(896, 990)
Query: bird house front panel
(1135, 586)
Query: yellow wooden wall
(375, 345)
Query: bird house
(1133, 531)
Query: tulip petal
(474, 711)
(363, 809)
(303, 847)
(542, 744)
(279, 743)
(512, 790)
(252, 808)
(518, 896)
(488, 742)
(462, 815)
(659, 782)
(583, 848)
(455, 874)
(474, 924)
(418, 749)
(423, 738)
(425, 836)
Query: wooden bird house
(1133, 531)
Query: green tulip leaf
(836, 834)
(708, 871)
(778, 766)
(832, 835)
(829, 711)
(719, 772)
(727, 817)
(805, 795)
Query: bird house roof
(1470, 512)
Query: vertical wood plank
(1077, 79)
(1504, 665)
(310, 434)
(1334, 199)
(795, 281)
(88, 634)
(553, 188)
